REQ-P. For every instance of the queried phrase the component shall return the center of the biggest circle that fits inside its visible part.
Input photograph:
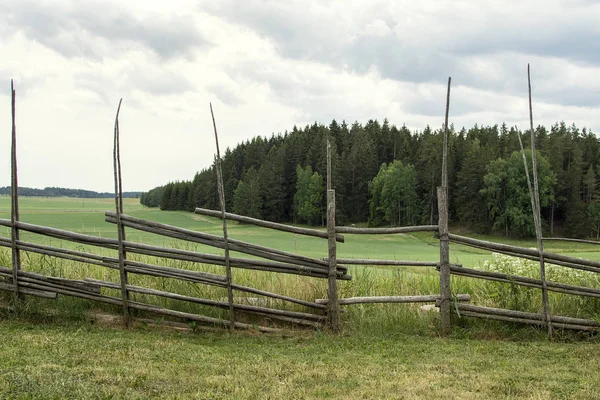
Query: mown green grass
(77, 361)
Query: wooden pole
(442, 194)
(386, 231)
(268, 224)
(524, 281)
(394, 299)
(299, 317)
(531, 254)
(398, 263)
(462, 308)
(120, 227)
(572, 240)
(333, 306)
(445, 148)
(329, 177)
(445, 292)
(538, 217)
(225, 236)
(15, 235)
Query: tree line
(65, 192)
(388, 176)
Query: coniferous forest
(388, 176)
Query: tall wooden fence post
(14, 215)
(535, 202)
(119, 211)
(333, 306)
(445, 293)
(442, 195)
(221, 190)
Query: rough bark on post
(537, 215)
(14, 215)
(333, 306)
(442, 195)
(445, 293)
(221, 190)
(120, 228)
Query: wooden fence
(320, 313)
(261, 258)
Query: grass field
(87, 216)
(385, 351)
(79, 361)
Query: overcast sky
(267, 66)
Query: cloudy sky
(267, 66)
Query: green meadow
(87, 216)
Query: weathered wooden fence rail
(397, 263)
(530, 254)
(267, 224)
(385, 231)
(527, 318)
(395, 299)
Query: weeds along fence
(233, 313)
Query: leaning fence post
(442, 194)
(535, 203)
(119, 211)
(14, 215)
(221, 190)
(333, 306)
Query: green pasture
(87, 216)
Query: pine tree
(271, 178)
(470, 204)
(247, 198)
(308, 200)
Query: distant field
(87, 216)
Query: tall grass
(367, 281)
